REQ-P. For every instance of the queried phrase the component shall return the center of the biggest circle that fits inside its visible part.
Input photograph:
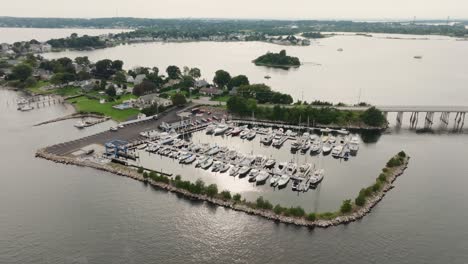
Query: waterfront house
(201, 84)
(211, 91)
(151, 99)
(139, 79)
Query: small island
(279, 60)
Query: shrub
(311, 217)
(211, 190)
(376, 186)
(327, 215)
(140, 170)
(278, 209)
(360, 200)
(346, 207)
(237, 197)
(382, 177)
(393, 162)
(296, 211)
(226, 195)
(177, 178)
(402, 154)
(263, 204)
(385, 170)
(153, 175)
(145, 175)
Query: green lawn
(67, 91)
(223, 98)
(36, 89)
(84, 104)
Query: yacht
(224, 167)
(262, 177)
(325, 130)
(304, 170)
(316, 177)
(213, 151)
(295, 185)
(216, 166)
(354, 145)
(205, 165)
(244, 170)
(244, 133)
(306, 146)
(281, 168)
(270, 163)
(234, 171)
(253, 175)
(210, 129)
(236, 131)
(268, 139)
(232, 154)
(25, 108)
(315, 148)
(332, 139)
(190, 159)
(251, 135)
(201, 161)
(325, 139)
(259, 161)
(343, 131)
(274, 179)
(291, 168)
(279, 142)
(168, 139)
(283, 181)
(336, 152)
(220, 129)
(326, 148)
(184, 156)
(296, 144)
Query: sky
(269, 9)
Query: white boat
(336, 152)
(325, 130)
(268, 139)
(317, 177)
(184, 156)
(213, 151)
(244, 170)
(343, 131)
(232, 154)
(236, 131)
(279, 142)
(190, 159)
(316, 147)
(332, 139)
(201, 160)
(142, 146)
(210, 129)
(244, 133)
(305, 146)
(296, 144)
(262, 177)
(216, 166)
(224, 167)
(220, 129)
(291, 168)
(252, 175)
(303, 186)
(168, 139)
(205, 165)
(270, 163)
(25, 108)
(251, 135)
(304, 170)
(326, 148)
(325, 139)
(283, 181)
(259, 161)
(281, 168)
(274, 179)
(234, 170)
(354, 145)
(80, 124)
(295, 185)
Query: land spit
(355, 215)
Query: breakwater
(354, 215)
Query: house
(139, 79)
(201, 84)
(211, 91)
(233, 91)
(130, 79)
(150, 99)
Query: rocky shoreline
(355, 215)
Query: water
(383, 71)
(10, 35)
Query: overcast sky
(285, 9)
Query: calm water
(384, 70)
(53, 213)
(10, 35)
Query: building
(151, 99)
(139, 79)
(201, 84)
(130, 79)
(211, 91)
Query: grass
(223, 98)
(84, 104)
(36, 89)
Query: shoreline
(355, 215)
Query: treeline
(77, 42)
(277, 59)
(312, 35)
(247, 107)
(263, 94)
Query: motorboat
(231, 155)
(220, 129)
(304, 170)
(190, 159)
(213, 151)
(317, 177)
(195, 148)
(80, 124)
(325, 130)
(306, 146)
(296, 144)
(262, 177)
(303, 186)
(142, 146)
(210, 129)
(224, 167)
(291, 168)
(244, 133)
(354, 145)
(251, 135)
(268, 139)
(279, 142)
(274, 179)
(316, 147)
(25, 108)
(325, 139)
(336, 151)
(283, 181)
(259, 161)
(205, 165)
(168, 139)
(326, 148)
(236, 131)
(244, 170)
(234, 171)
(270, 163)
(332, 139)
(281, 168)
(216, 166)
(201, 161)
(253, 175)
(295, 185)
(343, 131)
(184, 156)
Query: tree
(143, 88)
(111, 91)
(346, 207)
(178, 99)
(236, 197)
(30, 81)
(195, 73)
(120, 77)
(311, 217)
(117, 65)
(103, 68)
(373, 117)
(238, 81)
(155, 71)
(83, 75)
(360, 200)
(226, 195)
(282, 53)
(83, 61)
(173, 72)
(185, 70)
(21, 72)
(221, 78)
(62, 77)
(211, 190)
